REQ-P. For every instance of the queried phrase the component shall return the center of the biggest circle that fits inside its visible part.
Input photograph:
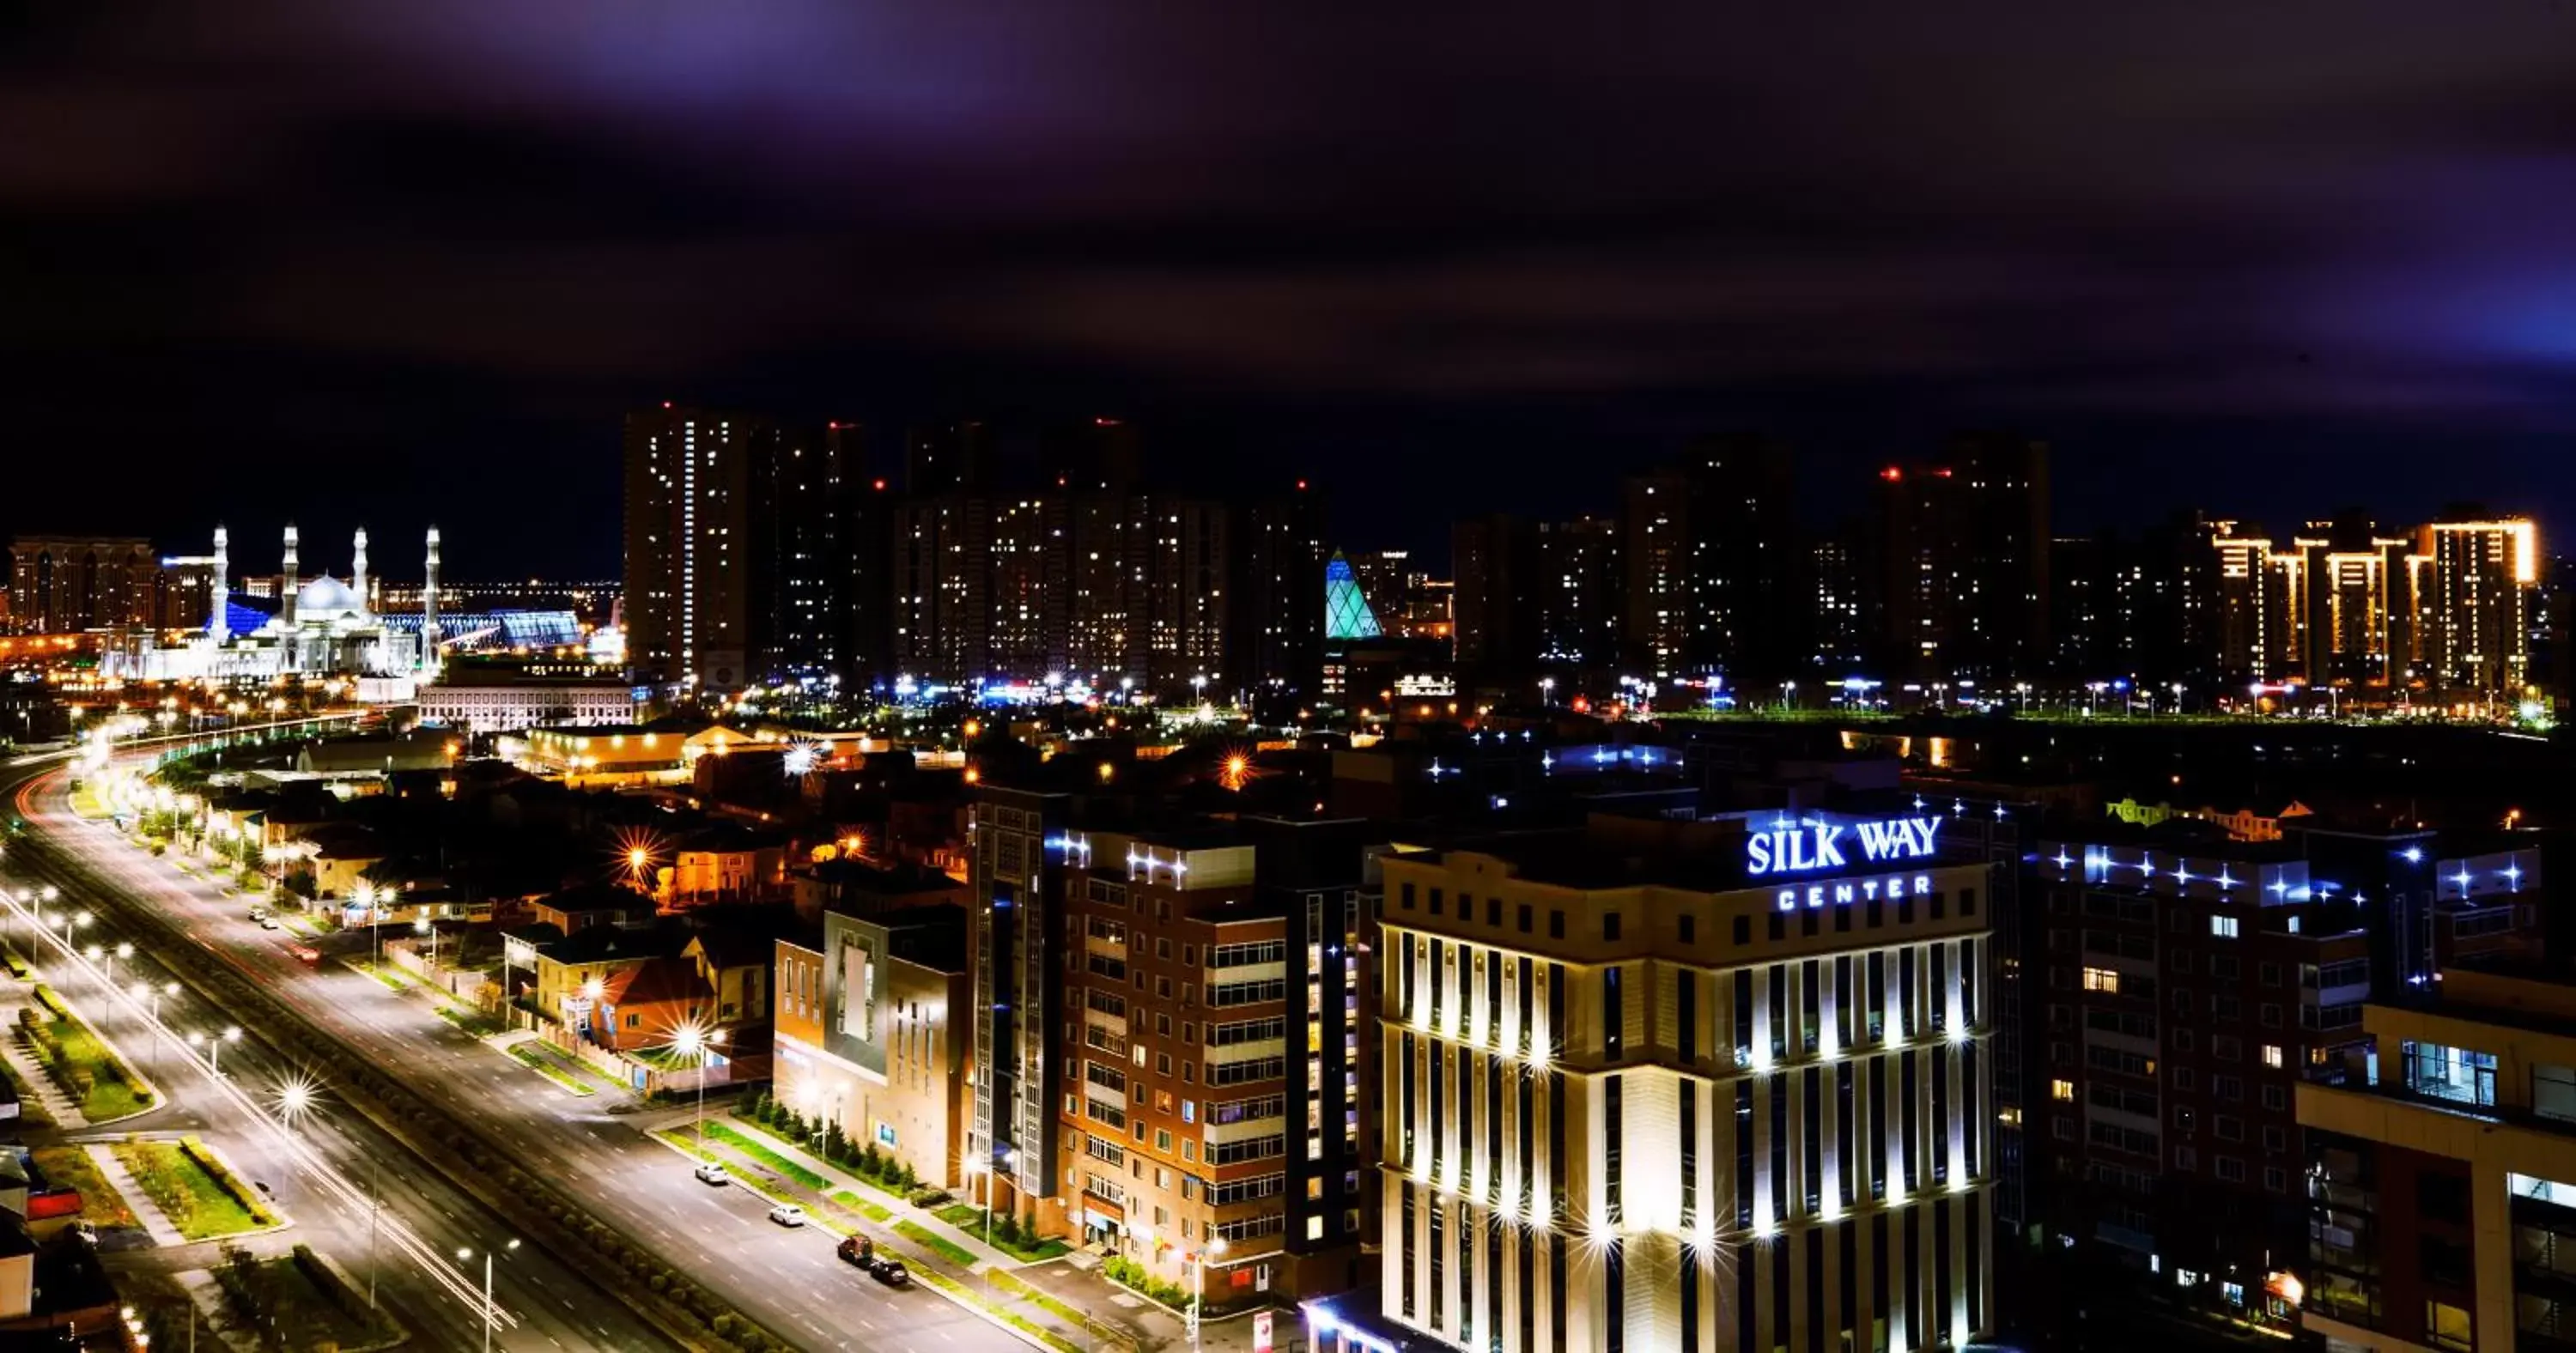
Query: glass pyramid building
(1346, 613)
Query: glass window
(2223, 927)
(2553, 1091)
(2460, 1075)
(2446, 1326)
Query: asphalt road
(788, 1280)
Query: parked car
(885, 1268)
(712, 1172)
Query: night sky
(353, 260)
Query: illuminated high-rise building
(1964, 544)
(1577, 591)
(2447, 608)
(688, 546)
(1710, 549)
(66, 584)
(1716, 1086)
(2477, 584)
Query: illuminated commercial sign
(1843, 892)
(1806, 847)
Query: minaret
(358, 569)
(293, 581)
(429, 607)
(219, 620)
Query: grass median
(71, 1168)
(544, 1066)
(80, 1065)
(791, 1170)
(970, 1219)
(184, 1183)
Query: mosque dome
(325, 597)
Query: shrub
(870, 1163)
(1006, 1229)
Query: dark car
(885, 1268)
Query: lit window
(2061, 1090)
(2223, 927)
(2101, 979)
(2272, 1055)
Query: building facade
(2444, 609)
(871, 1034)
(1686, 1086)
(2441, 1173)
(2192, 982)
(1220, 1130)
(689, 545)
(67, 584)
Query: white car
(712, 1172)
(268, 923)
(787, 1214)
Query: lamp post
(365, 896)
(214, 1046)
(699, 1045)
(147, 998)
(422, 926)
(466, 1255)
(1215, 1246)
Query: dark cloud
(437, 248)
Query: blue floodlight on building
(1346, 613)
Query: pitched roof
(662, 981)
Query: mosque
(322, 628)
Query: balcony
(1252, 1051)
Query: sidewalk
(138, 1199)
(41, 1087)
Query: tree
(870, 1163)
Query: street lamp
(148, 998)
(214, 1047)
(695, 1042)
(293, 1100)
(421, 926)
(464, 1255)
(1215, 1246)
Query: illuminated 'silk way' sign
(1806, 847)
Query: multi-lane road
(790, 1281)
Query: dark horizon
(396, 266)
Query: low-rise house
(735, 969)
(642, 1006)
(728, 862)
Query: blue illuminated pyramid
(1346, 613)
